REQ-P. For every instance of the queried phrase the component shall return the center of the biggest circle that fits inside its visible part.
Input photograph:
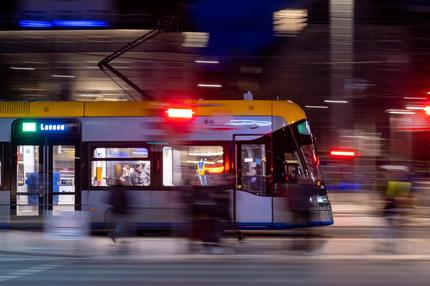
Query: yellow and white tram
(66, 156)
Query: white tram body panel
(161, 208)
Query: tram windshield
(297, 156)
(305, 141)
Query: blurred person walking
(204, 225)
(119, 201)
(222, 199)
(398, 200)
(299, 206)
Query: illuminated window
(120, 167)
(289, 21)
(193, 166)
(134, 152)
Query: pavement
(355, 251)
(219, 270)
(332, 243)
(358, 233)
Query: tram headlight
(322, 199)
(319, 200)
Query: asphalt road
(213, 270)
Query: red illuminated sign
(340, 153)
(179, 113)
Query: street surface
(213, 270)
(336, 256)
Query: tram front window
(295, 156)
(305, 140)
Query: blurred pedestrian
(204, 225)
(120, 212)
(397, 202)
(299, 206)
(222, 197)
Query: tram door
(253, 201)
(47, 167)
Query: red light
(179, 113)
(427, 110)
(343, 153)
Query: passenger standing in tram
(140, 175)
(126, 175)
(201, 173)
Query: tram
(67, 156)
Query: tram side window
(120, 167)
(287, 164)
(253, 169)
(193, 166)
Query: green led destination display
(29, 127)
(42, 127)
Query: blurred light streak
(22, 68)
(206, 62)
(34, 24)
(394, 167)
(399, 111)
(415, 98)
(91, 95)
(114, 99)
(245, 122)
(415, 107)
(80, 23)
(427, 110)
(30, 89)
(317, 106)
(209, 85)
(63, 23)
(195, 39)
(62, 76)
(335, 101)
(291, 21)
(33, 95)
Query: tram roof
(288, 110)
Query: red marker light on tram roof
(179, 113)
(339, 153)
